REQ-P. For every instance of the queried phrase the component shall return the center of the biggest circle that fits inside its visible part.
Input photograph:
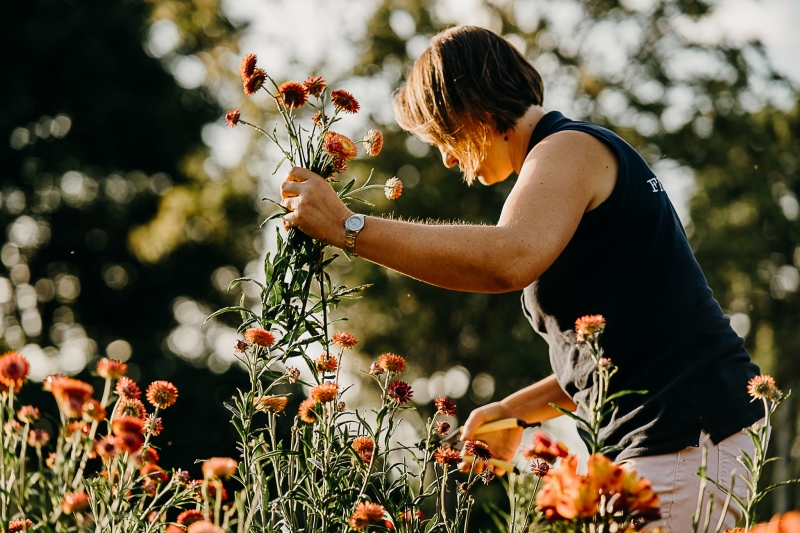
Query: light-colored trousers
(674, 478)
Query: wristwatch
(352, 226)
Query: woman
(587, 229)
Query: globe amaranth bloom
(315, 85)
(162, 394)
(14, 369)
(391, 362)
(232, 117)
(445, 406)
(393, 188)
(400, 392)
(219, 467)
(345, 339)
(366, 513)
(344, 101)
(259, 337)
(325, 392)
(111, 368)
(292, 94)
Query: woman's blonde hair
(468, 83)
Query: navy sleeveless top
(629, 260)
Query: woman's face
(494, 168)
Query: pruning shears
(451, 441)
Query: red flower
(153, 472)
(366, 513)
(345, 339)
(293, 94)
(153, 425)
(254, 82)
(38, 437)
(339, 146)
(131, 407)
(70, 393)
(111, 368)
(319, 120)
(400, 392)
(447, 456)
(232, 117)
(391, 362)
(763, 388)
(14, 369)
(19, 525)
(162, 394)
(75, 502)
(477, 448)
(344, 101)
(128, 430)
(326, 362)
(315, 85)
(127, 388)
(324, 392)
(248, 66)
(259, 337)
(189, 517)
(393, 188)
(219, 467)
(373, 142)
(442, 427)
(93, 411)
(544, 448)
(539, 468)
(364, 447)
(445, 406)
(589, 325)
(106, 447)
(306, 411)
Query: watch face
(354, 223)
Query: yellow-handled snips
(451, 441)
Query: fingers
(301, 174)
(475, 420)
(290, 203)
(290, 188)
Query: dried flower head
(392, 363)
(203, 526)
(763, 388)
(259, 337)
(315, 85)
(271, 404)
(147, 455)
(127, 388)
(486, 476)
(539, 468)
(375, 369)
(400, 392)
(106, 447)
(339, 165)
(292, 374)
(345, 339)
(373, 142)
(232, 117)
(306, 411)
(319, 119)
(14, 369)
(393, 188)
(240, 346)
(339, 146)
(325, 392)
(344, 101)
(248, 66)
(327, 362)
(442, 427)
(589, 325)
(254, 82)
(366, 513)
(28, 414)
(128, 430)
(70, 394)
(187, 518)
(219, 467)
(19, 525)
(93, 411)
(292, 94)
(545, 448)
(38, 438)
(364, 447)
(445, 406)
(162, 394)
(153, 425)
(447, 456)
(463, 487)
(75, 502)
(130, 407)
(111, 368)
(477, 448)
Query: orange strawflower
(153, 425)
(785, 523)
(638, 498)
(447, 456)
(75, 502)
(326, 362)
(14, 369)
(543, 447)
(93, 411)
(293, 94)
(248, 66)
(131, 407)
(393, 188)
(111, 368)
(339, 165)
(477, 448)
(442, 427)
(28, 414)
(148, 455)
(74, 426)
(219, 467)
(162, 394)
(232, 117)
(306, 411)
(19, 525)
(315, 85)
(364, 447)
(128, 430)
(400, 392)
(445, 406)
(259, 337)
(70, 394)
(366, 513)
(325, 392)
(189, 517)
(271, 404)
(319, 119)
(339, 146)
(344, 101)
(38, 438)
(391, 362)
(345, 339)
(373, 142)
(254, 82)
(763, 388)
(127, 388)
(204, 527)
(589, 325)
(153, 472)
(106, 447)
(567, 495)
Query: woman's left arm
(561, 179)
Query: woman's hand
(316, 209)
(502, 444)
